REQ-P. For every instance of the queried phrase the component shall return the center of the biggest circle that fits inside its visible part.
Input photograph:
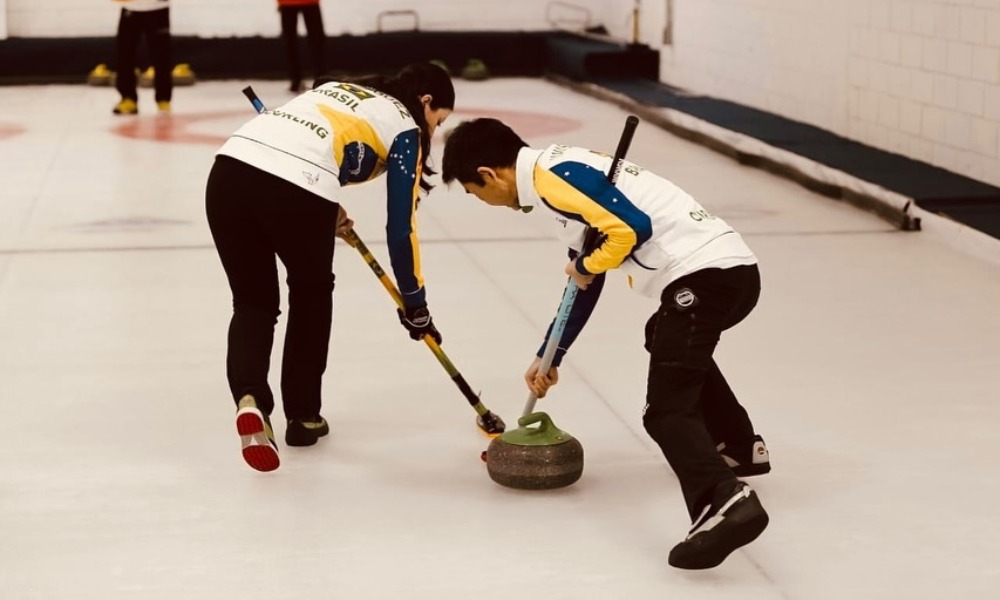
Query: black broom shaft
(593, 235)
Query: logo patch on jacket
(684, 298)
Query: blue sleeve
(583, 306)
(403, 188)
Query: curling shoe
(305, 432)
(259, 448)
(126, 106)
(747, 460)
(733, 519)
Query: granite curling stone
(535, 458)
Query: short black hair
(479, 143)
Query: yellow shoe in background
(126, 106)
(163, 106)
(146, 78)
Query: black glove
(417, 320)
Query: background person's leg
(127, 44)
(316, 38)
(158, 39)
(290, 35)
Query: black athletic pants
(315, 36)
(256, 217)
(155, 25)
(689, 406)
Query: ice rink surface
(871, 366)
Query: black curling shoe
(735, 518)
(305, 432)
(747, 459)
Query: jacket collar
(527, 197)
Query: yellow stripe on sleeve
(348, 128)
(562, 196)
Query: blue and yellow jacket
(343, 134)
(651, 229)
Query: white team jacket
(341, 134)
(656, 232)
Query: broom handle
(589, 241)
(562, 316)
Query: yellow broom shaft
(352, 238)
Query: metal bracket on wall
(574, 17)
(668, 27)
(398, 13)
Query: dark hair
(407, 86)
(479, 143)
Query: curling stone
(440, 63)
(183, 74)
(146, 77)
(475, 70)
(100, 75)
(535, 458)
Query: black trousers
(155, 25)
(316, 39)
(255, 218)
(689, 406)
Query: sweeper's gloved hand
(417, 320)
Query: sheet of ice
(870, 366)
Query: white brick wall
(220, 18)
(917, 77)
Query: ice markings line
(457, 241)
